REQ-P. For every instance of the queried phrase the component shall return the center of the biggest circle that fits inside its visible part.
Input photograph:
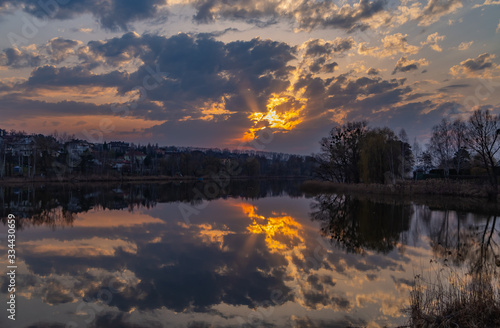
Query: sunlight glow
(284, 119)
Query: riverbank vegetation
(458, 150)
(455, 301)
(440, 187)
(449, 297)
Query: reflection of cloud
(80, 247)
(211, 235)
(106, 218)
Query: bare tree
(483, 136)
(459, 144)
(441, 144)
(340, 153)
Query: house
(120, 164)
(78, 146)
(135, 156)
(118, 146)
(24, 146)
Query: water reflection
(258, 254)
(359, 224)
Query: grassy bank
(423, 187)
(455, 301)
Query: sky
(273, 75)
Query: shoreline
(130, 179)
(431, 187)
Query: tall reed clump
(454, 300)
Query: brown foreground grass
(472, 301)
(423, 187)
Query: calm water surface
(256, 254)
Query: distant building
(78, 146)
(119, 146)
(23, 147)
(135, 155)
(120, 163)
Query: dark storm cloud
(318, 47)
(60, 48)
(356, 97)
(373, 71)
(182, 72)
(120, 14)
(312, 14)
(309, 15)
(15, 58)
(111, 14)
(55, 51)
(75, 76)
(115, 51)
(33, 108)
(345, 93)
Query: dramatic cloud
(319, 53)
(111, 14)
(59, 49)
(306, 15)
(295, 67)
(26, 57)
(318, 47)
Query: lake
(251, 254)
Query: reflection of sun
(282, 232)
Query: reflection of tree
(56, 204)
(55, 217)
(359, 224)
(461, 237)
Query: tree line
(354, 153)
(37, 155)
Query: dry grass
(454, 300)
